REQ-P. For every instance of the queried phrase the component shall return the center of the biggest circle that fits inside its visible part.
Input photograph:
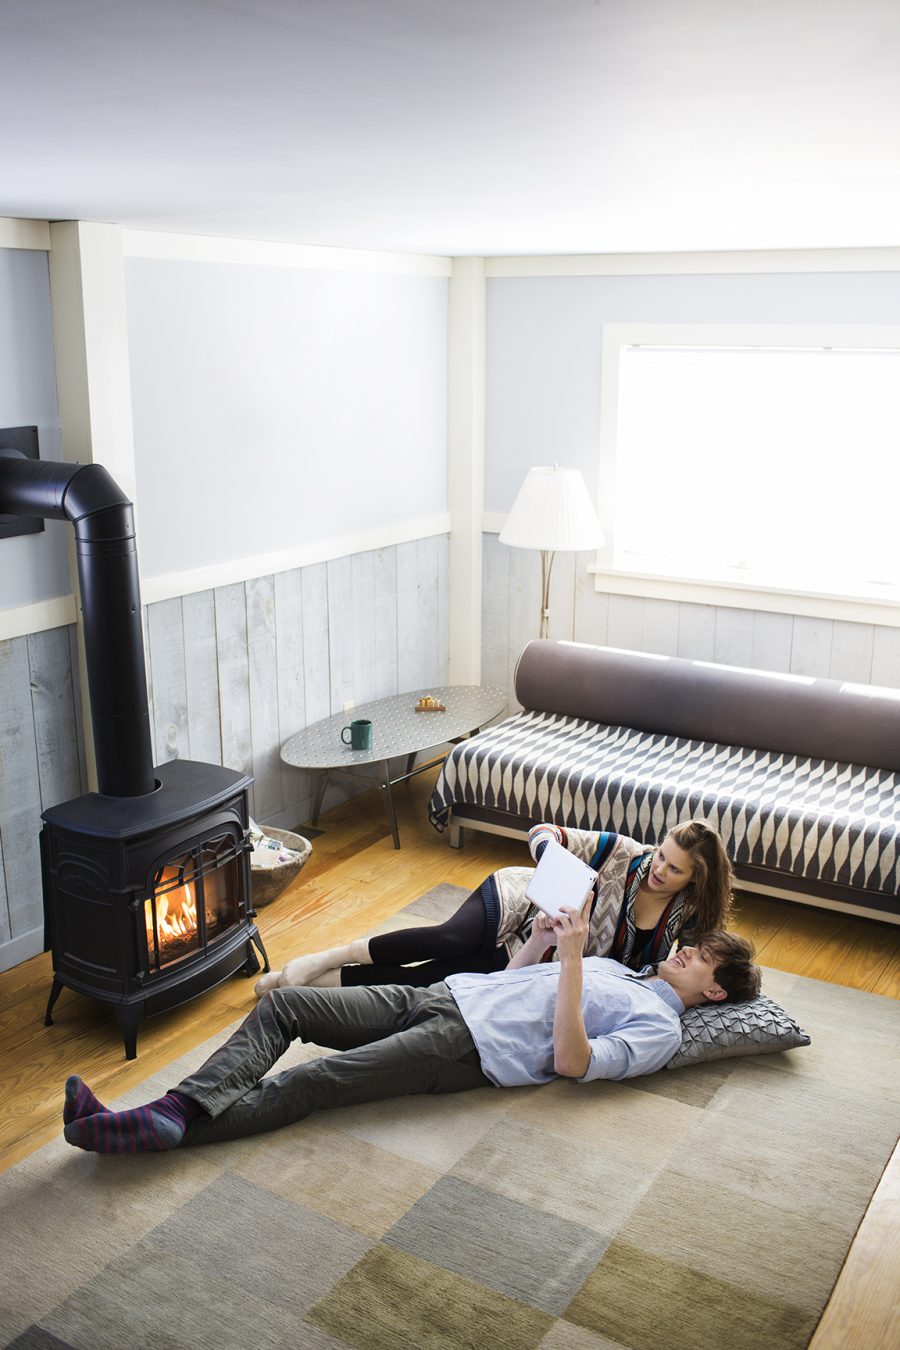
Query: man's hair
(734, 968)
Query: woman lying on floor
(645, 899)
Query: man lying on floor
(578, 1017)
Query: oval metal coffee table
(397, 731)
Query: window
(774, 467)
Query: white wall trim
(93, 379)
(265, 253)
(466, 379)
(175, 584)
(24, 234)
(37, 618)
(21, 948)
(692, 264)
(738, 596)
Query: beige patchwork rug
(704, 1206)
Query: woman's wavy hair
(708, 894)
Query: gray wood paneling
(770, 648)
(4, 903)
(407, 615)
(148, 670)
(169, 707)
(362, 627)
(428, 573)
(591, 605)
(41, 764)
(231, 674)
(661, 620)
(53, 708)
(795, 644)
(20, 793)
(386, 676)
(316, 676)
(625, 626)
(495, 641)
(263, 675)
(811, 646)
(443, 609)
(696, 632)
(852, 645)
(201, 671)
(734, 637)
(234, 679)
(291, 683)
(339, 573)
(886, 657)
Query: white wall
(544, 358)
(545, 340)
(293, 411)
(277, 407)
(33, 567)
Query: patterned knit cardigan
(621, 864)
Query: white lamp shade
(553, 511)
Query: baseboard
(20, 949)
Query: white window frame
(735, 594)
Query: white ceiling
(459, 126)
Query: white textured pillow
(720, 1030)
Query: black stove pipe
(103, 518)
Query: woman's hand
(543, 931)
(570, 931)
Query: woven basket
(267, 883)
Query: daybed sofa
(801, 776)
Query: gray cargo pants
(394, 1041)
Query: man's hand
(571, 1048)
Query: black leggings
(462, 942)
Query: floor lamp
(554, 513)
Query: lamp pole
(547, 557)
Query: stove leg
(54, 995)
(251, 969)
(128, 1016)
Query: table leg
(410, 761)
(385, 790)
(321, 785)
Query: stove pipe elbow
(105, 544)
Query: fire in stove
(171, 915)
(187, 907)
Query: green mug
(360, 734)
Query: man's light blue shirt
(633, 1023)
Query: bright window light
(772, 467)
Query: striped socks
(153, 1128)
(80, 1101)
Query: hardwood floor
(353, 881)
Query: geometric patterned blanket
(811, 818)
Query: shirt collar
(661, 987)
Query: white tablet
(559, 879)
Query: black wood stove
(146, 882)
